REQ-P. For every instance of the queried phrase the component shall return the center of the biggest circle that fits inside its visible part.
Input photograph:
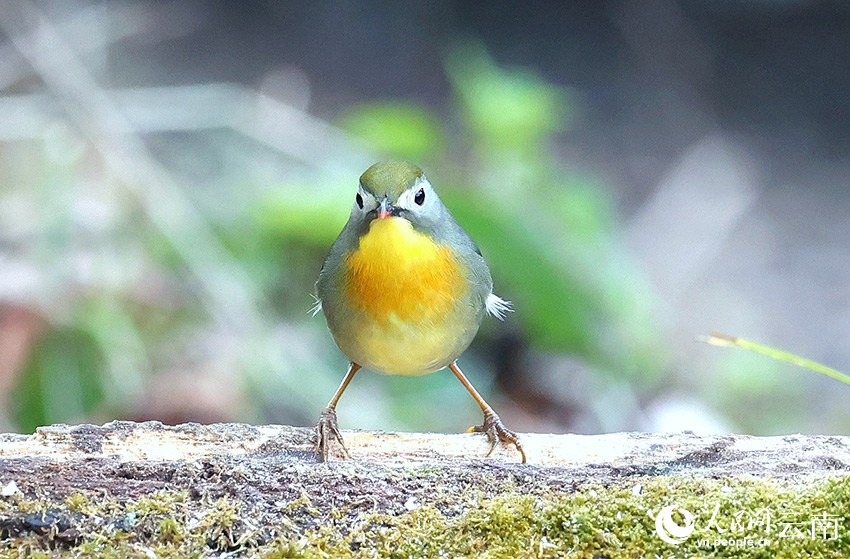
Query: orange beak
(385, 210)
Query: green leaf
(62, 383)
(504, 108)
(403, 130)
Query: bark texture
(86, 480)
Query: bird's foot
(497, 432)
(326, 431)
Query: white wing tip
(317, 307)
(496, 306)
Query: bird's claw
(497, 432)
(327, 430)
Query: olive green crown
(390, 178)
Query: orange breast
(397, 273)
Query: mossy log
(232, 490)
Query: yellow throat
(399, 274)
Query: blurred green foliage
(512, 110)
(407, 130)
(62, 381)
(548, 232)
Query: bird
(404, 290)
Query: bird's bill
(385, 210)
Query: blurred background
(172, 174)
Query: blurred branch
(124, 21)
(683, 226)
(230, 294)
(293, 132)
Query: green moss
(77, 502)
(159, 502)
(171, 531)
(613, 520)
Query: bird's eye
(420, 197)
(359, 201)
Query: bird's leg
(492, 426)
(327, 428)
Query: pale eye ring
(359, 200)
(420, 197)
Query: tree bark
(271, 476)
